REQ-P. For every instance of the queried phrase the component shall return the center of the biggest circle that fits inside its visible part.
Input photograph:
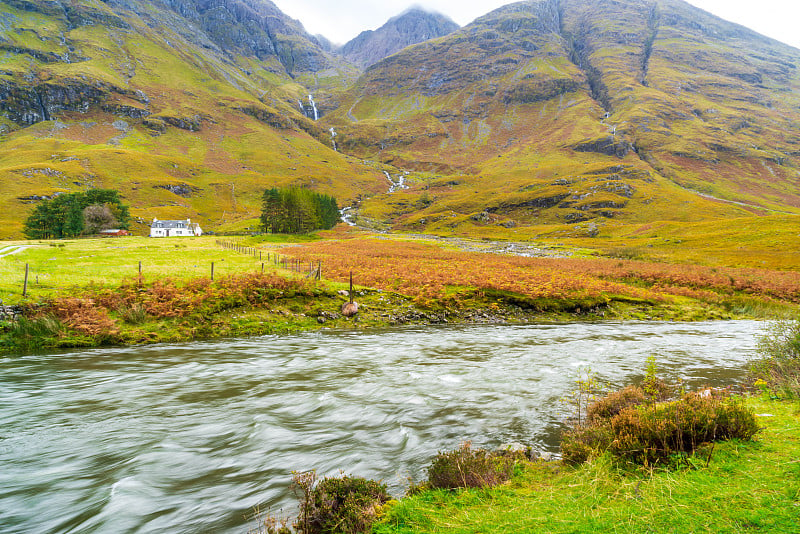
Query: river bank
(90, 293)
(153, 313)
(746, 486)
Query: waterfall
(313, 106)
(399, 184)
(345, 215)
(309, 110)
(333, 138)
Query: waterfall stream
(396, 185)
(313, 107)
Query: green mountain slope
(184, 122)
(575, 110)
(561, 117)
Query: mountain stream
(190, 437)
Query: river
(188, 438)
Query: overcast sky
(341, 20)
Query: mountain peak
(414, 25)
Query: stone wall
(10, 313)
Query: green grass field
(59, 267)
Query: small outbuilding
(182, 228)
(114, 232)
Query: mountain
(190, 108)
(411, 27)
(544, 117)
(594, 111)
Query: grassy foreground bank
(746, 487)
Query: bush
(338, 505)
(654, 435)
(466, 467)
(659, 433)
(654, 390)
(581, 444)
(779, 365)
(613, 403)
(83, 316)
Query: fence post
(25, 284)
(212, 271)
(262, 268)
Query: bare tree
(97, 217)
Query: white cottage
(183, 228)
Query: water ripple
(189, 437)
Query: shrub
(267, 523)
(779, 365)
(466, 467)
(623, 424)
(83, 315)
(654, 390)
(338, 505)
(653, 435)
(581, 444)
(613, 403)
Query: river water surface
(190, 437)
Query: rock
(349, 309)
(183, 190)
(609, 146)
(412, 27)
(510, 447)
(481, 217)
(542, 202)
(541, 455)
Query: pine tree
(296, 210)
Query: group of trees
(297, 211)
(289, 211)
(74, 214)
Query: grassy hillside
(140, 102)
(562, 112)
(544, 119)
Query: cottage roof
(170, 224)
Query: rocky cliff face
(412, 27)
(109, 55)
(256, 28)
